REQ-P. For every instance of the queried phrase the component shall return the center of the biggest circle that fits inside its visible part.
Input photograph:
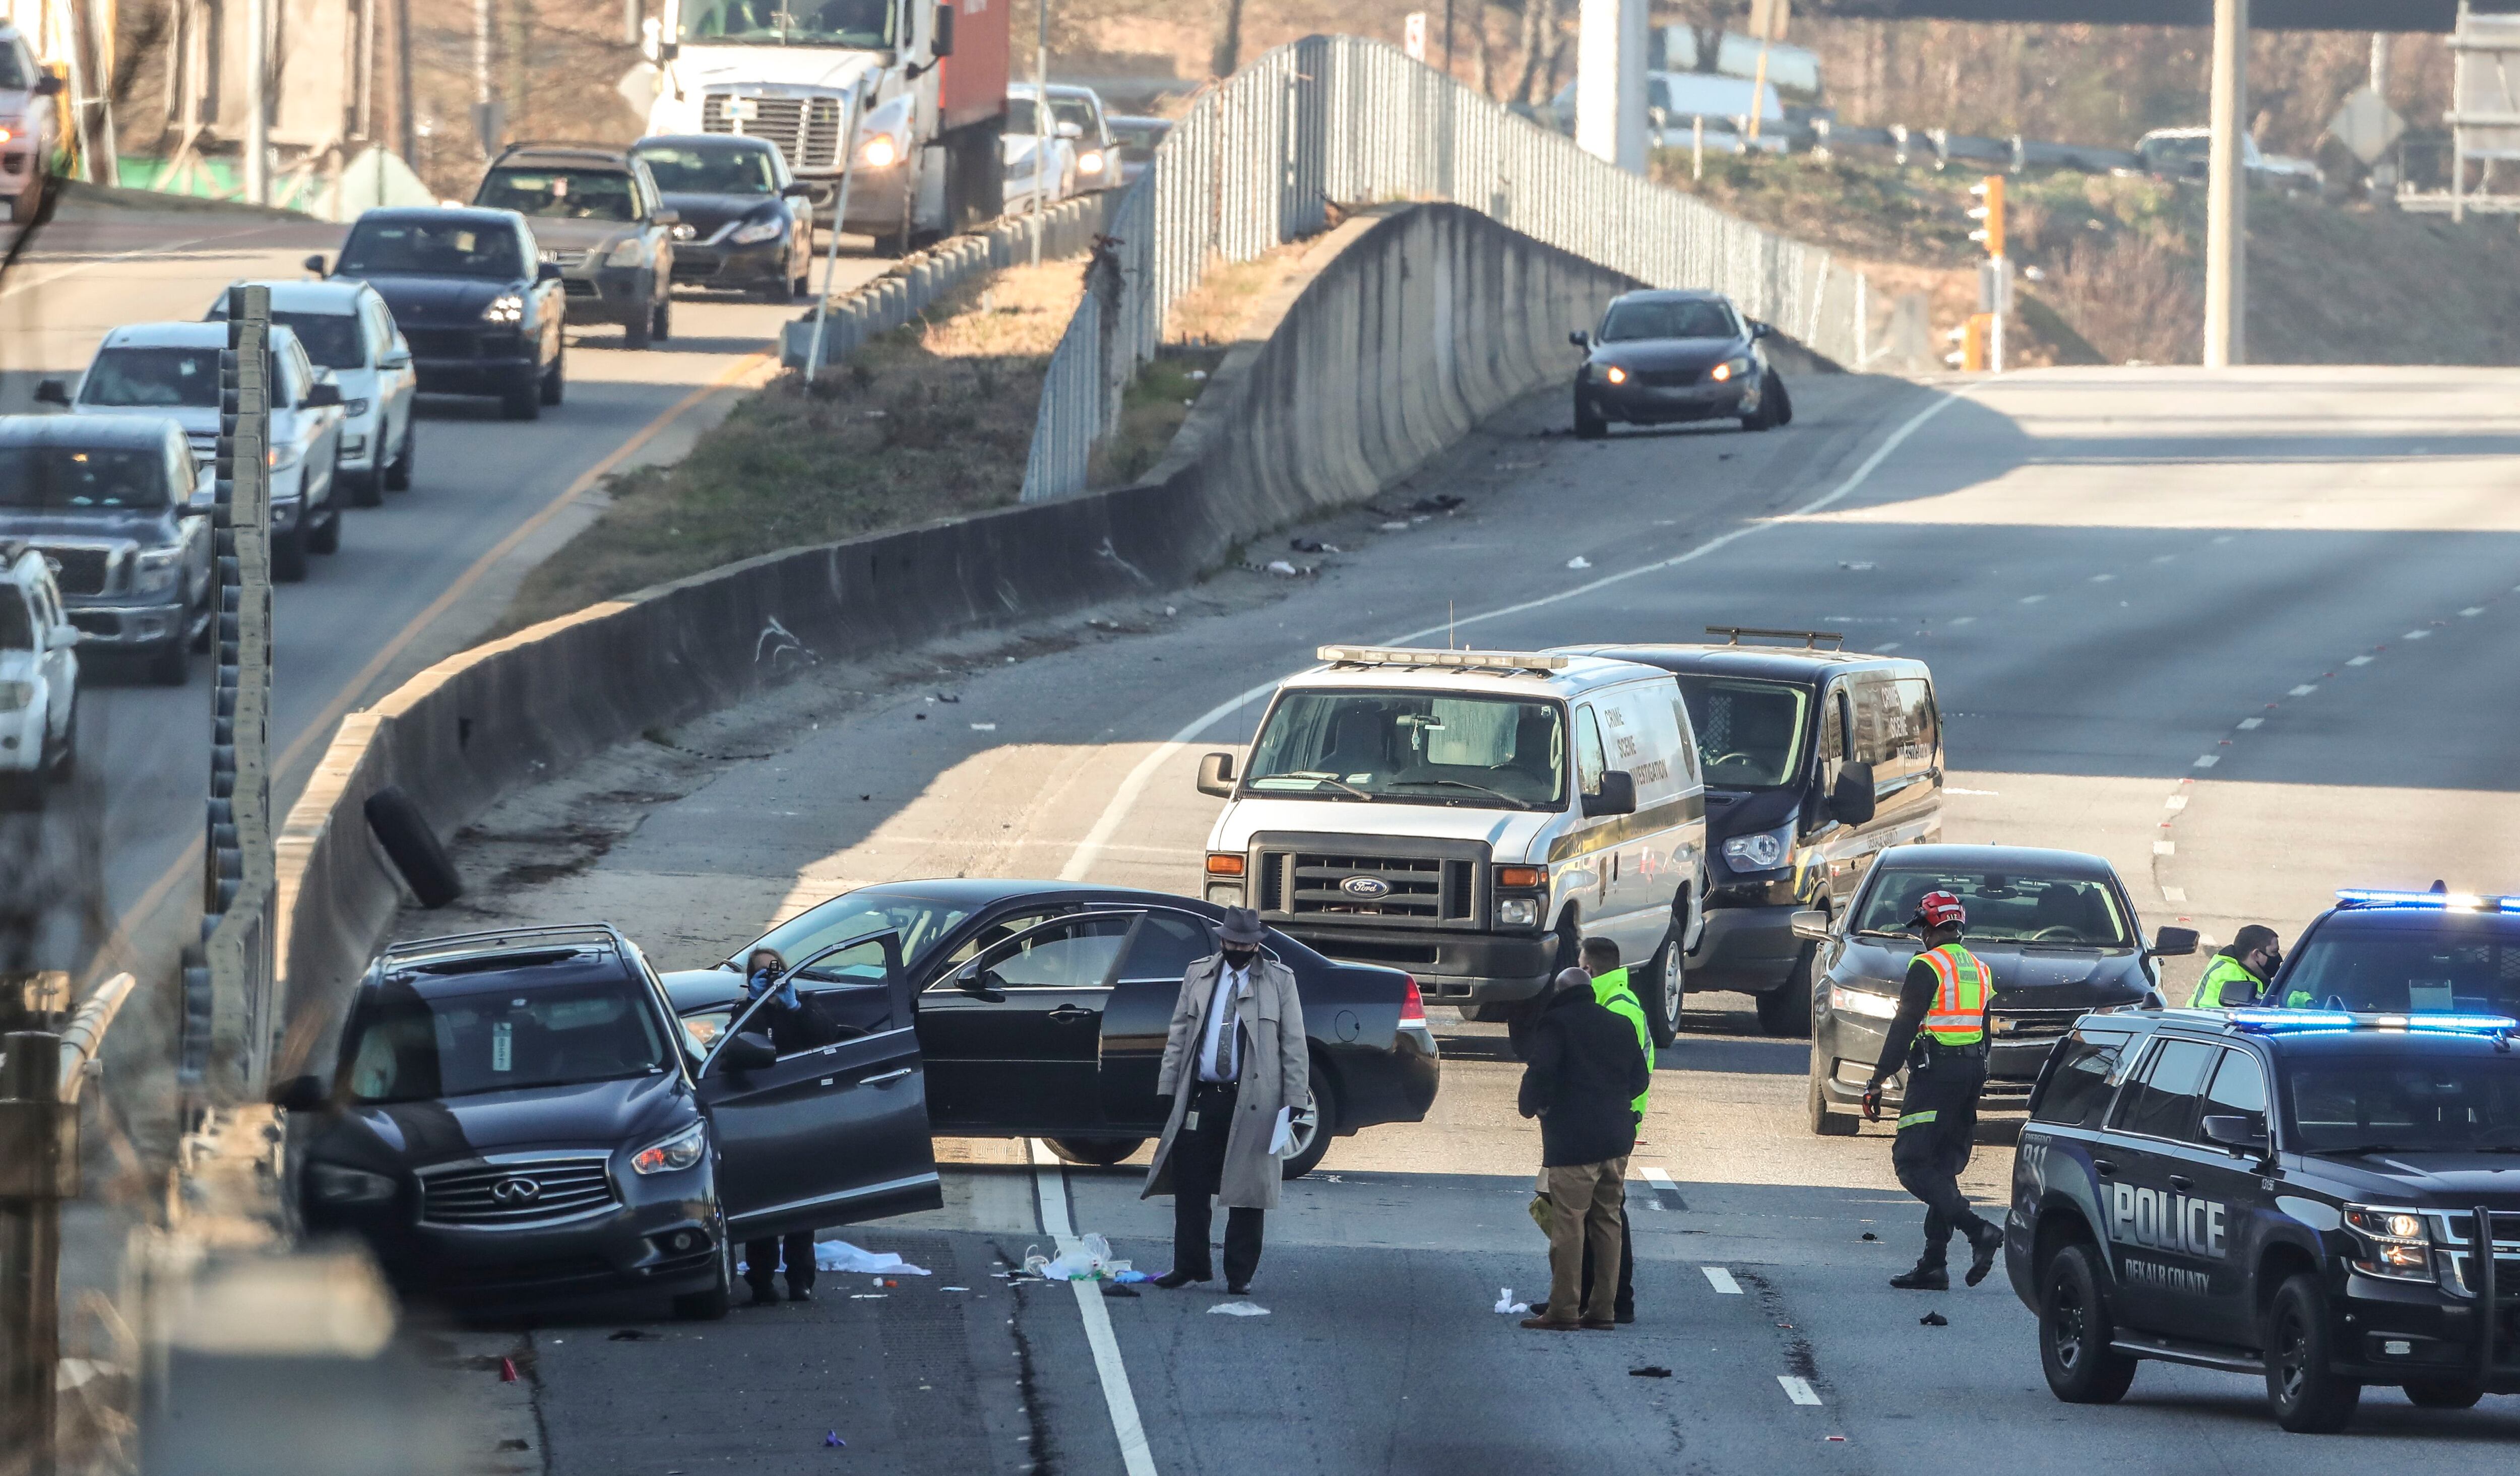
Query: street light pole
(256, 176)
(2227, 192)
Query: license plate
(742, 110)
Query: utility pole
(256, 177)
(1040, 122)
(409, 132)
(2384, 174)
(2226, 191)
(1610, 82)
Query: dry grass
(929, 420)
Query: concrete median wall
(1403, 331)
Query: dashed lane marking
(2031, 598)
(2164, 848)
(2174, 802)
(1887, 646)
(2358, 661)
(2414, 634)
(2304, 689)
(2102, 578)
(1662, 1185)
(1799, 1389)
(2207, 760)
(1721, 1281)
(2249, 723)
(2473, 610)
(2173, 894)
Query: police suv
(2304, 1195)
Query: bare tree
(1707, 20)
(1227, 54)
(1539, 22)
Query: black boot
(1176, 1279)
(1985, 1246)
(1923, 1279)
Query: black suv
(518, 1117)
(479, 307)
(2304, 1195)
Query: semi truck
(927, 76)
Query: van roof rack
(1458, 661)
(1810, 638)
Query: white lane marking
(1661, 1180)
(1887, 646)
(2102, 578)
(1721, 1281)
(2473, 610)
(1957, 789)
(1963, 620)
(2164, 848)
(1799, 1389)
(2359, 661)
(2226, 538)
(2174, 802)
(2031, 598)
(2304, 689)
(1050, 1183)
(1124, 798)
(2208, 760)
(985, 727)
(170, 248)
(2173, 894)
(2414, 634)
(2165, 558)
(2248, 723)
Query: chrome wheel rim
(2067, 1322)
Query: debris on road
(1505, 1304)
(1933, 1320)
(1579, 562)
(1311, 545)
(1649, 1371)
(1240, 1309)
(632, 1335)
(1396, 525)
(1868, 1235)
(507, 1370)
(832, 1440)
(841, 1256)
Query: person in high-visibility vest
(1940, 1035)
(2239, 972)
(1613, 993)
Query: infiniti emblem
(1368, 887)
(516, 1194)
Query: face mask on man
(1240, 957)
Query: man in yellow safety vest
(1940, 1035)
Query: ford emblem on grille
(516, 1194)
(1368, 887)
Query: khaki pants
(1587, 1198)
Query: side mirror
(321, 396)
(666, 215)
(940, 44)
(1070, 130)
(666, 51)
(974, 980)
(302, 1094)
(1813, 925)
(1618, 795)
(47, 84)
(797, 190)
(547, 271)
(749, 1052)
(1580, 339)
(1851, 798)
(2172, 943)
(314, 263)
(2240, 1134)
(52, 392)
(1216, 774)
(61, 638)
(1759, 330)
(399, 358)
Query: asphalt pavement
(2246, 635)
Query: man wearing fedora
(1235, 1068)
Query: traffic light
(1989, 190)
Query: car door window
(989, 935)
(1164, 946)
(2085, 1077)
(2238, 1090)
(2163, 1104)
(1071, 954)
(1588, 762)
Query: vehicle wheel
(365, 489)
(710, 1306)
(661, 328)
(525, 401)
(172, 665)
(399, 475)
(2074, 1333)
(1825, 1122)
(781, 292)
(1311, 1146)
(639, 330)
(413, 847)
(1588, 424)
(1665, 984)
(289, 555)
(1783, 413)
(555, 385)
(1099, 1152)
(2443, 1394)
(2302, 1385)
(208, 626)
(1786, 1009)
(24, 205)
(65, 765)
(326, 537)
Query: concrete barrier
(1401, 332)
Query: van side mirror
(302, 1094)
(314, 263)
(48, 84)
(61, 638)
(2171, 943)
(1813, 925)
(1618, 797)
(940, 44)
(1216, 774)
(52, 392)
(2240, 1134)
(1851, 798)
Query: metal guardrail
(1267, 155)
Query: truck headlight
(507, 307)
(1089, 161)
(334, 1183)
(280, 458)
(1517, 912)
(881, 152)
(2396, 1244)
(155, 569)
(680, 1151)
(1762, 851)
(15, 697)
(354, 409)
(623, 254)
(755, 232)
(1874, 1006)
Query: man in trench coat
(1235, 1057)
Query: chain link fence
(1268, 155)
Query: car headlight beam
(755, 232)
(1762, 851)
(1615, 375)
(624, 253)
(339, 1184)
(2396, 1244)
(667, 1156)
(507, 307)
(881, 152)
(1872, 1006)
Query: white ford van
(1470, 816)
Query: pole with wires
(1040, 121)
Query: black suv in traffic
(518, 1117)
(2318, 1198)
(481, 308)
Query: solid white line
(1124, 798)
(1050, 1186)
(1799, 1389)
(170, 248)
(1721, 1281)
(1660, 1181)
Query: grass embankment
(1207, 321)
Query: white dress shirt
(1218, 1053)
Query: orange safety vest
(1959, 1013)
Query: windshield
(410, 1047)
(2416, 1103)
(921, 920)
(2004, 906)
(1414, 747)
(12, 76)
(62, 479)
(2411, 960)
(562, 193)
(432, 249)
(331, 340)
(154, 378)
(16, 625)
(2187, 149)
(1749, 733)
(1021, 121)
(1629, 321)
(700, 169)
(1075, 110)
(862, 23)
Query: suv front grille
(81, 571)
(1316, 881)
(535, 1192)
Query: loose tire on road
(2302, 1384)
(1097, 1152)
(1326, 1116)
(413, 847)
(1588, 424)
(289, 555)
(2074, 1333)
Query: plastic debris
(953, 1288)
(1090, 1260)
(1400, 525)
(1579, 562)
(1130, 1276)
(1933, 1320)
(832, 1440)
(841, 1256)
(1283, 569)
(507, 1370)
(1868, 1235)
(1505, 1304)
(1649, 1371)
(1311, 545)
(1240, 1309)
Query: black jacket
(1584, 1071)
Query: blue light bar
(2296, 1021)
(2282, 1021)
(2445, 901)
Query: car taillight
(1413, 1006)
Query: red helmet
(1940, 909)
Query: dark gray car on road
(600, 218)
(1660, 357)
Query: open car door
(820, 1113)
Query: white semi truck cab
(930, 78)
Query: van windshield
(1749, 733)
(1417, 747)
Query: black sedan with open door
(1042, 1008)
(517, 1118)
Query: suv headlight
(755, 232)
(2396, 1244)
(680, 1151)
(280, 458)
(15, 697)
(1762, 851)
(624, 253)
(1517, 912)
(156, 568)
(333, 1184)
(507, 307)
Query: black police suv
(1044, 1006)
(2323, 1199)
(2056, 929)
(746, 223)
(2430, 952)
(519, 1117)
(1663, 356)
(1814, 760)
(468, 288)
